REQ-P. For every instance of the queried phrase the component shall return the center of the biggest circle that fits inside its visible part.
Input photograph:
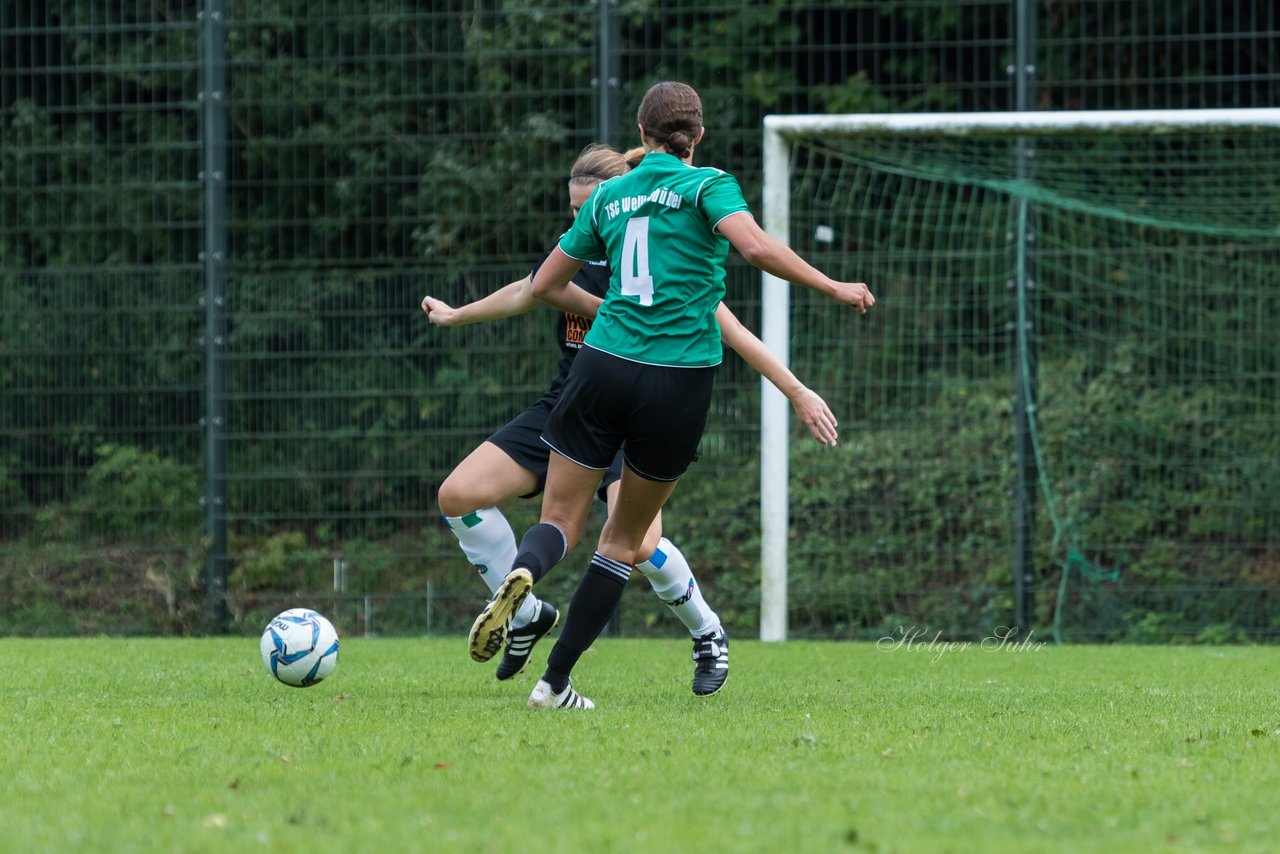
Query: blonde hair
(597, 163)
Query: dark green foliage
(384, 149)
(79, 589)
(1167, 527)
(135, 495)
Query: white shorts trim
(579, 463)
(650, 364)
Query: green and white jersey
(656, 226)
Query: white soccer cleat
(544, 698)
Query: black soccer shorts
(654, 414)
(521, 439)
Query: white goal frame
(776, 298)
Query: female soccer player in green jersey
(642, 382)
(512, 463)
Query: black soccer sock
(542, 547)
(593, 604)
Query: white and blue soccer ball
(299, 647)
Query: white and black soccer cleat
(520, 641)
(544, 698)
(710, 663)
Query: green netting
(1150, 273)
(1225, 183)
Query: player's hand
(439, 313)
(814, 414)
(855, 295)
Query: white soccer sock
(489, 543)
(671, 578)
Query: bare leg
(567, 499)
(633, 514)
(653, 535)
(565, 505)
(667, 570)
(485, 478)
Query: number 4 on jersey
(636, 280)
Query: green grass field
(188, 745)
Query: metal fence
(217, 220)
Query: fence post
(213, 175)
(1025, 374)
(608, 80)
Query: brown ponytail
(671, 116)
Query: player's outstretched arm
(811, 409)
(507, 301)
(551, 285)
(767, 253)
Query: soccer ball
(299, 647)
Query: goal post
(940, 214)
(775, 331)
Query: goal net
(1063, 413)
